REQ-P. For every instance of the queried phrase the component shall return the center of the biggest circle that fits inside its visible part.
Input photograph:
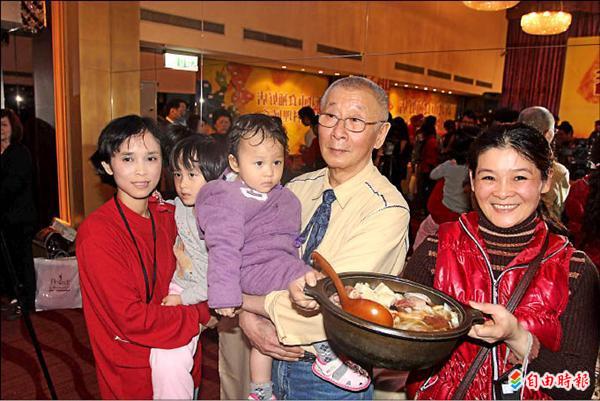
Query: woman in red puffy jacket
(481, 258)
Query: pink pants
(171, 368)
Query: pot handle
(477, 316)
(315, 292)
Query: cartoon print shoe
(350, 377)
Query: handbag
(511, 305)
(57, 284)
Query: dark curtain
(533, 77)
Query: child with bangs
(194, 161)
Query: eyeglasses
(352, 124)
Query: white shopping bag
(57, 284)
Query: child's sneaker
(348, 376)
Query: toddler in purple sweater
(250, 226)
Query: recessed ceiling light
(426, 88)
(443, 91)
(320, 71)
(449, 92)
(284, 66)
(435, 90)
(416, 87)
(395, 83)
(406, 85)
(303, 69)
(336, 74)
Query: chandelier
(546, 22)
(490, 5)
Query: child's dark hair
(530, 144)
(207, 153)
(250, 125)
(115, 134)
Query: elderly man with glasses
(352, 215)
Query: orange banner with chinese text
(246, 89)
(408, 102)
(580, 98)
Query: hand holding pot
(503, 326)
(296, 290)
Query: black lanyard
(149, 293)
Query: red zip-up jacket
(121, 325)
(464, 272)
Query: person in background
(428, 158)
(595, 134)
(18, 216)
(415, 123)
(198, 125)
(347, 208)
(564, 144)
(401, 152)
(221, 122)
(307, 117)
(542, 120)
(126, 262)
(582, 209)
(174, 112)
(468, 119)
(447, 140)
(480, 259)
(310, 153)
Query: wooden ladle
(362, 308)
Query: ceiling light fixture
(546, 22)
(320, 71)
(284, 66)
(490, 5)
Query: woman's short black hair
(249, 125)
(118, 131)
(16, 128)
(207, 153)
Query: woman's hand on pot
(296, 290)
(262, 336)
(503, 326)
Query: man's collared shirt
(367, 232)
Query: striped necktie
(316, 227)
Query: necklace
(149, 292)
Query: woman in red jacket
(481, 258)
(125, 257)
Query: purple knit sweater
(250, 240)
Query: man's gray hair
(537, 117)
(354, 82)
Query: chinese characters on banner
(243, 89)
(408, 102)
